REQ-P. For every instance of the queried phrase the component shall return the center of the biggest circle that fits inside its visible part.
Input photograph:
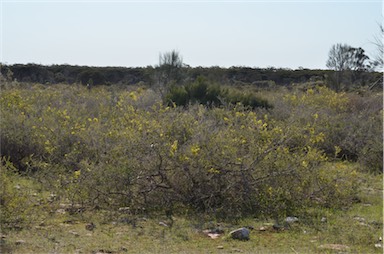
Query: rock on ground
(240, 234)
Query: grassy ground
(356, 230)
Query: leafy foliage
(108, 148)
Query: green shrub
(100, 148)
(351, 124)
(200, 91)
(197, 91)
(203, 92)
(247, 99)
(177, 95)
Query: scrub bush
(102, 148)
(205, 93)
(351, 124)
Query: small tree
(170, 64)
(378, 62)
(169, 70)
(338, 57)
(344, 60)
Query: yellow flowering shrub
(109, 147)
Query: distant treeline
(122, 75)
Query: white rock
(213, 235)
(161, 223)
(291, 219)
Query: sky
(258, 34)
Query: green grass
(358, 228)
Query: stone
(240, 234)
(323, 219)
(291, 219)
(161, 223)
(213, 235)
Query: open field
(151, 176)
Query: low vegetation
(209, 94)
(72, 154)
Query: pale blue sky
(285, 34)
